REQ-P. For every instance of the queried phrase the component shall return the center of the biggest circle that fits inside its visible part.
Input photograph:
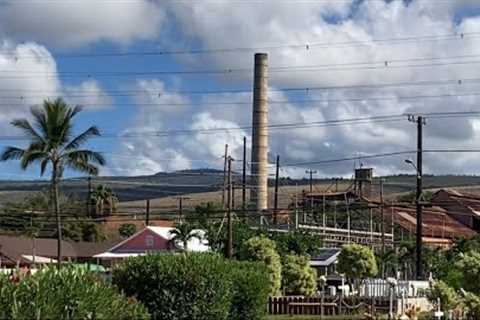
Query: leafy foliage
(297, 242)
(469, 267)
(104, 200)
(127, 229)
(52, 144)
(357, 262)
(183, 233)
(298, 277)
(197, 286)
(448, 297)
(251, 288)
(65, 294)
(264, 250)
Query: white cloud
(77, 23)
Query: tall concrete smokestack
(259, 169)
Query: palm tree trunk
(56, 207)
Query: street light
(419, 213)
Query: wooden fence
(300, 305)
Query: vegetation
(65, 294)
(264, 250)
(31, 217)
(195, 286)
(127, 230)
(298, 277)
(52, 144)
(104, 200)
(357, 262)
(183, 233)
(298, 242)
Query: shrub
(127, 229)
(469, 266)
(196, 286)
(65, 294)
(251, 288)
(178, 286)
(357, 262)
(449, 299)
(298, 277)
(264, 250)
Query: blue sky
(56, 30)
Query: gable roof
(15, 248)
(437, 223)
(325, 257)
(196, 245)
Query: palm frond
(83, 137)
(32, 156)
(85, 156)
(28, 130)
(12, 153)
(43, 166)
(81, 166)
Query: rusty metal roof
(436, 222)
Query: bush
(196, 286)
(178, 286)
(65, 294)
(357, 262)
(264, 250)
(251, 288)
(449, 299)
(127, 229)
(469, 266)
(298, 277)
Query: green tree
(357, 262)
(298, 277)
(297, 242)
(104, 199)
(449, 299)
(264, 250)
(469, 267)
(183, 233)
(127, 229)
(52, 144)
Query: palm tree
(103, 197)
(51, 145)
(183, 233)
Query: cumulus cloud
(72, 23)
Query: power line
(378, 65)
(133, 93)
(304, 46)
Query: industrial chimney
(259, 168)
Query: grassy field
(287, 317)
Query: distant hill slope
(163, 184)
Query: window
(149, 241)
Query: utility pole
(180, 207)
(89, 197)
(382, 210)
(147, 213)
(311, 172)
(229, 210)
(244, 175)
(275, 204)
(420, 121)
(225, 175)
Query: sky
(134, 66)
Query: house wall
(139, 243)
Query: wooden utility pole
(311, 173)
(89, 196)
(180, 207)
(382, 210)
(225, 175)
(420, 121)
(147, 213)
(244, 175)
(275, 204)
(229, 210)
